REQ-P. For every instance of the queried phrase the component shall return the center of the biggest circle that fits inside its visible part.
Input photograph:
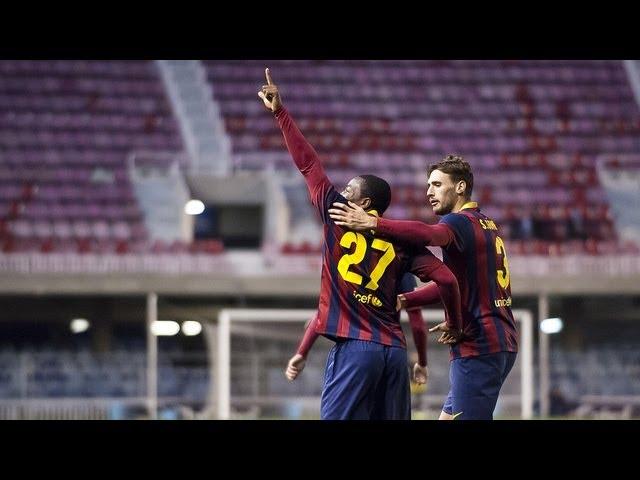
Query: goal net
(253, 347)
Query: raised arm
(411, 232)
(304, 155)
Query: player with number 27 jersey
(361, 272)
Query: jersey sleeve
(424, 264)
(321, 192)
(416, 234)
(309, 337)
(429, 267)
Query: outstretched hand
(269, 93)
(352, 216)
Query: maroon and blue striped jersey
(361, 272)
(478, 259)
(475, 253)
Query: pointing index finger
(267, 74)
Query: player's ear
(366, 203)
(461, 187)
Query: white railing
(250, 263)
(71, 263)
(70, 408)
(607, 407)
(604, 266)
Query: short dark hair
(378, 190)
(458, 168)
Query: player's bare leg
(445, 416)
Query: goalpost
(249, 374)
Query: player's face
(353, 192)
(441, 192)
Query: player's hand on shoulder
(294, 367)
(269, 94)
(352, 216)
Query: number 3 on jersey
(503, 275)
(347, 241)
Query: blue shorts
(475, 385)
(366, 381)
